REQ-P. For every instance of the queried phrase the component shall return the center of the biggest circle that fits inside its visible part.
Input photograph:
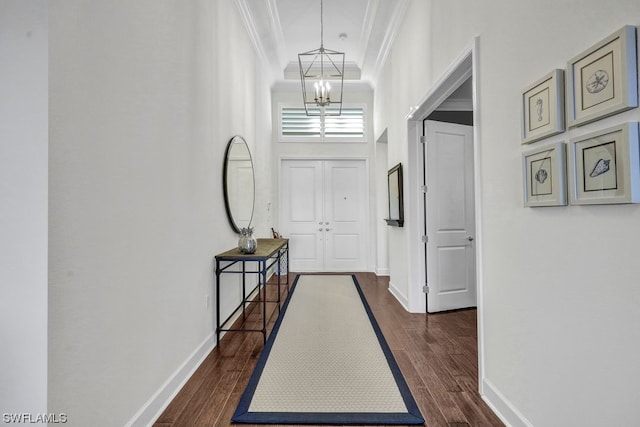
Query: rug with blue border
(327, 362)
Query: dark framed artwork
(603, 80)
(396, 208)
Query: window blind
(347, 126)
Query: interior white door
(450, 217)
(323, 213)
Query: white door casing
(324, 214)
(450, 217)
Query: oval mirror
(238, 183)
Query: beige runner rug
(327, 362)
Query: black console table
(269, 252)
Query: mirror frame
(227, 202)
(396, 198)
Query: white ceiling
(280, 29)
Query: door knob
(470, 239)
(327, 229)
(320, 229)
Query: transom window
(296, 126)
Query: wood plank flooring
(437, 354)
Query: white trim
(456, 105)
(477, 166)
(367, 27)
(413, 217)
(254, 34)
(154, 407)
(382, 271)
(278, 34)
(456, 74)
(397, 16)
(402, 298)
(502, 407)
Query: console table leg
(217, 303)
(264, 301)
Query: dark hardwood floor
(437, 354)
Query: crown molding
(382, 19)
(373, 66)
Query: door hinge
(425, 289)
(423, 139)
(425, 239)
(423, 188)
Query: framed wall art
(543, 107)
(396, 208)
(545, 182)
(604, 166)
(603, 80)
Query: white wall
(23, 207)
(380, 123)
(144, 96)
(560, 285)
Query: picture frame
(545, 178)
(604, 166)
(396, 202)
(542, 106)
(603, 80)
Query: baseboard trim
(382, 272)
(154, 407)
(402, 299)
(502, 407)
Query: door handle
(470, 239)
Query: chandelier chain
(321, 26)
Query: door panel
(452, 278)
(303, 188)
(450, 182)
(450, 217)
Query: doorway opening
(463, 70)
(449, 203)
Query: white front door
(345, 205)
(323, 212)
(450, 217)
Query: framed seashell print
(542, 107)
(544, 171)
(604, 166)
(603, 80)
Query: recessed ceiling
(362, 29)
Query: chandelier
(322, 77)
